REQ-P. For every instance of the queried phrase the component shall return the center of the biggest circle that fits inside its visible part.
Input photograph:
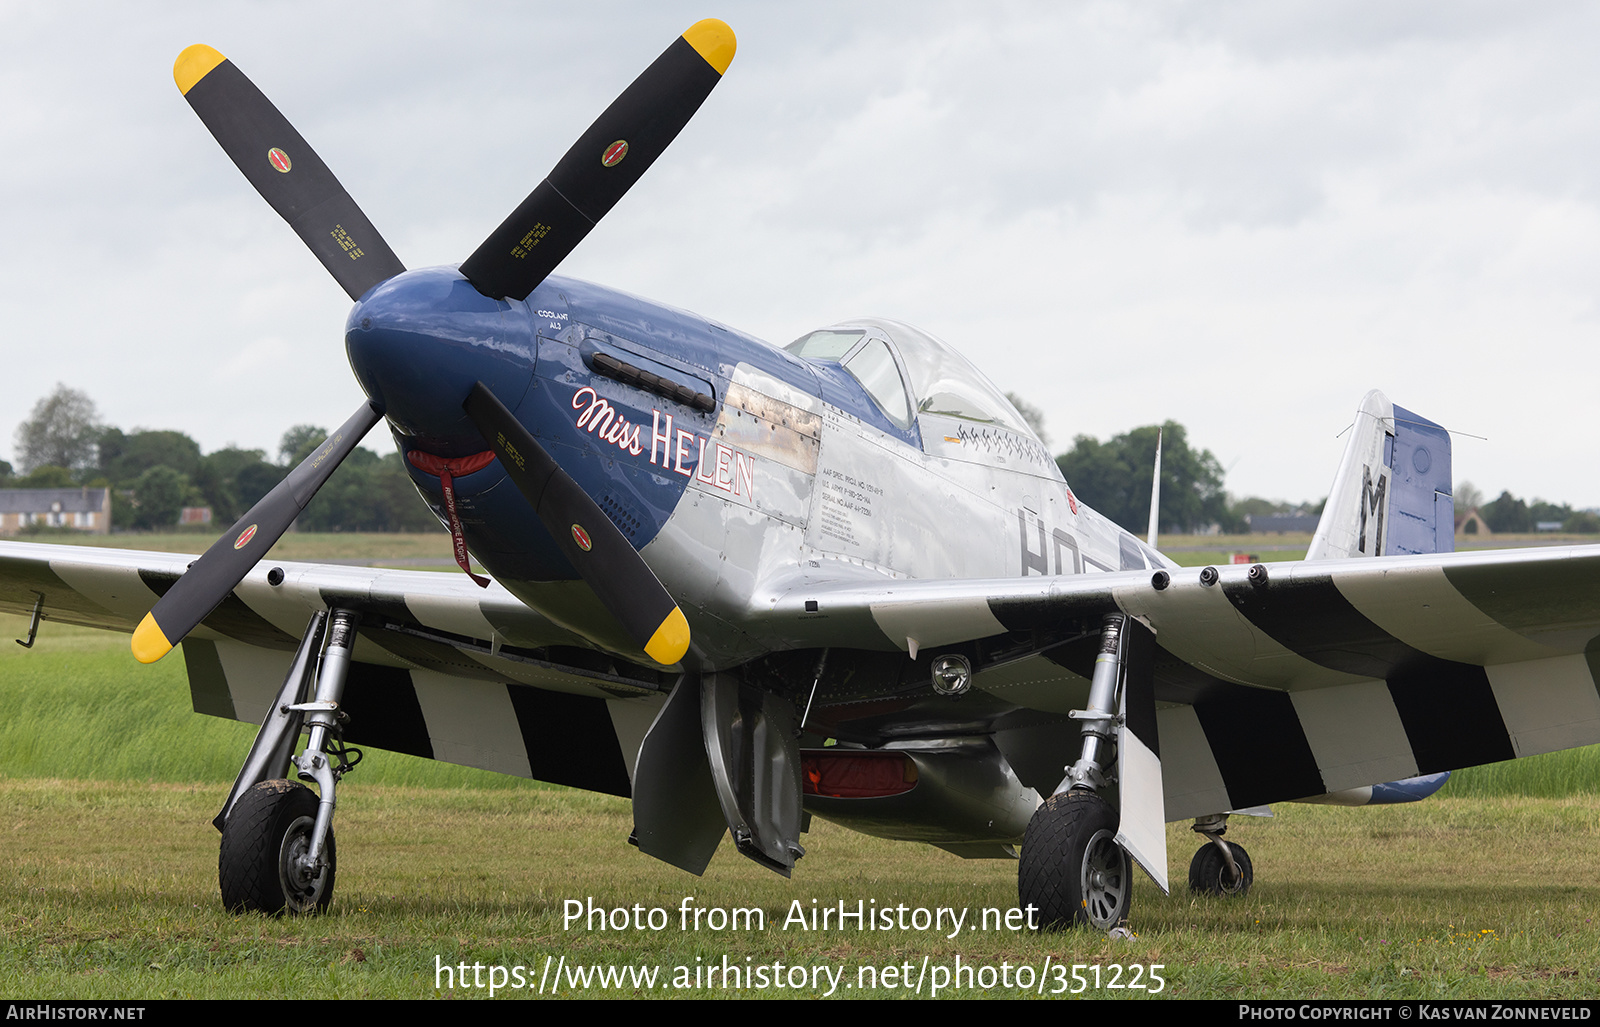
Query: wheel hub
(1105, 879)
(300, 878)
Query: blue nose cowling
(419, 341)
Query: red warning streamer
(447, 468)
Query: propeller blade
(285, 170)
(602, 165)
(209, 579)
(585, 535)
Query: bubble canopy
(941, 380)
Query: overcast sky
(1237, 216)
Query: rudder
(1393, 493)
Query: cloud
(1240, 216)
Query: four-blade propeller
(595, 173)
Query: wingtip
(713, 40)
(671, 639)
(149, 643)
(194, 64)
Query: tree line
(1114, 478)
(1511, 514)
(153, 475)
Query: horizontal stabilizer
(1412, 789)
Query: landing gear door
(752, 748)
(1142, 829)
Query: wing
(1309, 678)
(442, 669)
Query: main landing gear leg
(1072, 869)
(1219, 867)
(278, 853)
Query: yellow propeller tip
(194, 64)
(670, 641)
(149, 644)
(713, 40)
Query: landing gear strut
(278, 853)
(1072, 870)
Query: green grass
(296, 545)
(1554, 775)
(111, 893)
(1204, 550)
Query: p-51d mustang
(711, 556)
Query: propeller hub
(420, 341)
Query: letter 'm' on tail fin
(1392, 494)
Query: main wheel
(1072, 869)
(1209, 874)
(264, 844)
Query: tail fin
(1392, 494)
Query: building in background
(82, 508)
(1279, 524)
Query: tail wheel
(264, 846)
(1209, 873)
(1072, 869)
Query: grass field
(1200, 550)
(112, 893)
(376, 548)
(108, 785)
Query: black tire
(1072, 871)
(1208, 871)
(267, 829)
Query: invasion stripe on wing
(1448, 708)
